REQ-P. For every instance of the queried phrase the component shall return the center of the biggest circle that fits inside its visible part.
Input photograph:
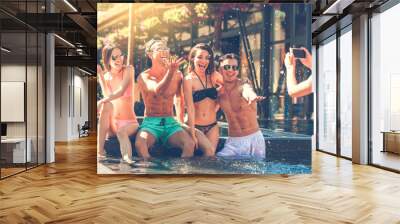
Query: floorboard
(70, 191)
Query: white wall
(80, 108)
(71, 93)
(61, 103)
(34, 125)
(13, 73)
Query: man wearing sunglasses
(239, 103)
(158, 86)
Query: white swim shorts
(252, 145)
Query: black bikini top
(200, 95)
(204, 93)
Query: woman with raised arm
(200, 91)
(117, 116)
(298, 89)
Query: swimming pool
(201, 165)
(286, 153)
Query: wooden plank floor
(10, 171)
(70, 191)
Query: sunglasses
(161, 49)
(233, 67)
(116, 57)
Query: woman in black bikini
(200, 90)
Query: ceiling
(76, 22)
(72, 20)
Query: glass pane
(41, 99)
(32, 96)
(346, 94)
(385, 89)
(327, 96)
(314, 84)
(13, 85)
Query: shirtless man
(239, 103)
(158, 86)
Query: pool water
(286, 153)
(202, 165)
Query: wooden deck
(70, 191)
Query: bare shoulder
(244, 81)
(188, 77)
(216, 75)
(129, 70)
(216, 79)
(144, 75)
(243, 84)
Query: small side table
(16, 149)
(391, 141)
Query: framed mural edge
(204, 88)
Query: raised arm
(162, 86)
(297, 89)
(100, 75)
(128, 74)
(217, 79)
(187, 91)
(218, 82)
(249, 94)
(179, 101)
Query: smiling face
(116, 59)
(159, 53)
(201, 60)
(229, 69)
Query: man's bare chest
(232, 101)
(172, 88)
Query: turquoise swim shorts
(161, 127)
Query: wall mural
(204, 88)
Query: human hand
(173, 63)
(254, 98)
(289, 60)
(307, 61)
(220, 89)
(196, 143)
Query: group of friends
(206, 88)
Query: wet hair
(106, 55)
(227, 56)
(192, 54)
